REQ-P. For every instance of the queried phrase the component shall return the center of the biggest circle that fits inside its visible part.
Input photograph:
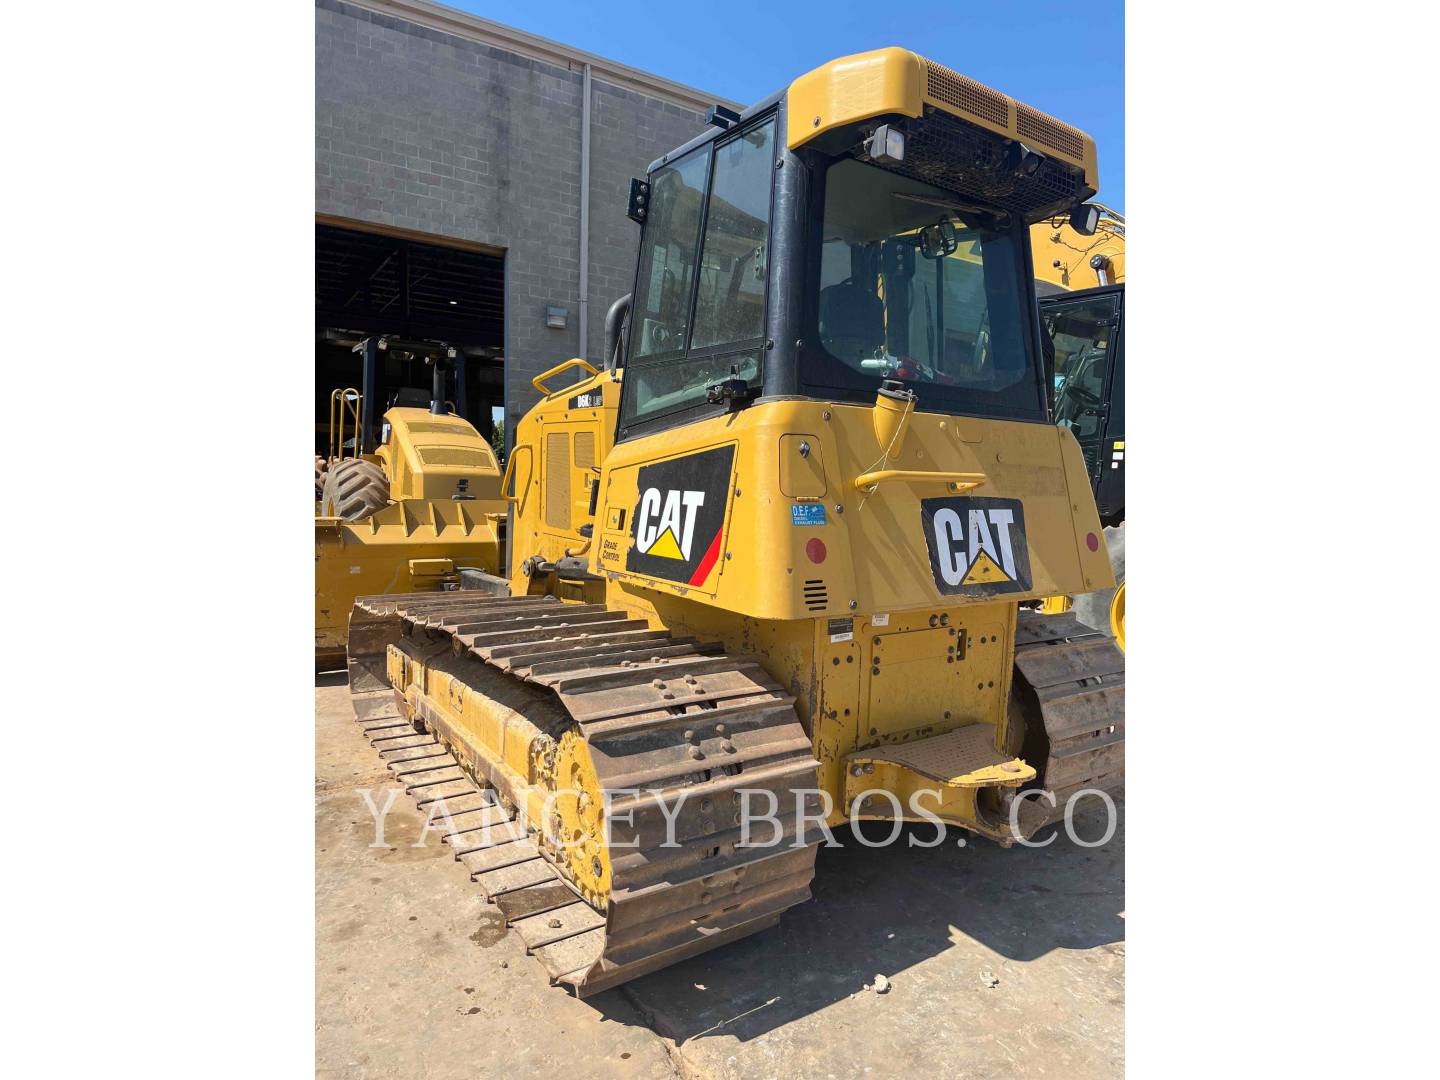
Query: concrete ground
(416, 975)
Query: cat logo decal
(977, 545)
(680, 517)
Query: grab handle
(955, 481)
(539, 381)
(505, 493)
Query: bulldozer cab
(1088, 335)
(776, 264)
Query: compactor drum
(406, 518)
(772, 565)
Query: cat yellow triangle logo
(983, 571)
(666, 547)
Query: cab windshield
(917, 285)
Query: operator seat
(852, 320)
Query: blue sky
(1065, 58)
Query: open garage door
(371, 284)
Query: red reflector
(815, 550)
(1092, 541)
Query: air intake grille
(951, 87)
(440, 427)
(584, 449)
(817, 596)
(1036, 126)
(557, 480)
(452, 455)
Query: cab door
(1086, 330)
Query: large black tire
(354, 489)
(1093, 609)
(319, 482)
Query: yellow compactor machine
(410, 517)
(769, 561)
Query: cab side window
(700, 299)
(730, 304)
(667, 255)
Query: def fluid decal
(680, 516)
(977, 545)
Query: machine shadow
(884, 910)
(338, 677)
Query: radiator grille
(817, 596)
(951, 87)
(557, 480)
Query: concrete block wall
(422, 130)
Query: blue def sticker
(807, 514)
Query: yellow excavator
(772, 562)
(420, 513)
(1081, 281)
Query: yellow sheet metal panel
(866, 549)
(802, 473)
(397, 549)
(437, 457)
(1095, 570)
(556, 444)
(431, 567)
(896, 81)
(1065, 258)
(853, 88)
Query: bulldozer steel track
(658, 713)
(1071, 678)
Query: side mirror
(1085, 219)
(938, 240)
(639, 201)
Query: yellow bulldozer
(772, 561)
(420, 513)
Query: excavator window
(699, 313)
(918, 286)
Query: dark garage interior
(371, 284)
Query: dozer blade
(1069, 687)
(654, 712)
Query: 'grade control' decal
(977, 545)
(677, 524)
